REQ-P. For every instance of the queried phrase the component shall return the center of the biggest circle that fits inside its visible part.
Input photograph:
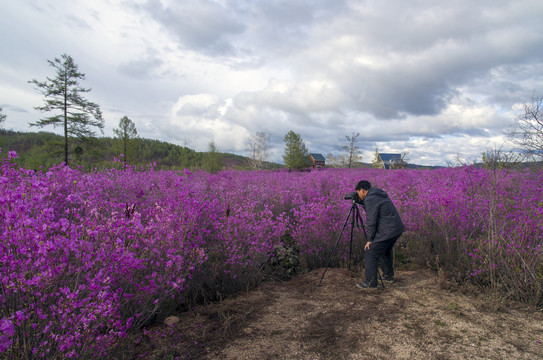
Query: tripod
(356, 219)
(354, 215)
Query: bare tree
(527, 132)
(352, 150)
(336, 161)
(461, 160)
(332, 161)
(404, 157)
(259, 144)
(376, 163)
(2, 115)
(497, 159)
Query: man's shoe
(366, 286)
(388, 280)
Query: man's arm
(372, 214)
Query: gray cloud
(14, 108)
(199, 25)
(141, 68)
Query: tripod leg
(353, 220)
(337, 242)
(380, 278)
(361, 223)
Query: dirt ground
(414, 318)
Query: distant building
(390, 161)
(317, 161)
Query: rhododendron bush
(86, 258)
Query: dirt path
(411, 319)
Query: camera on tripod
(356, 221)
(351, 196)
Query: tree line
(44, 149)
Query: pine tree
(64, 95)
(213, 160)
(126, 133)
(295, 151)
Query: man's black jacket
(382, 219)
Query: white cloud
(200, 119)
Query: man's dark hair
(364, 184)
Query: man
(384, 226)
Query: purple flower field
(86, 258)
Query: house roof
(317, 157)
(391, 158)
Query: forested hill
(45, 149)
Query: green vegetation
(212, 161)
(126, 133)
(42, 150)
(295, 155)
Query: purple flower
(7, 331)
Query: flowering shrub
(86, 258)
(80, 267)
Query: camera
(351, 196)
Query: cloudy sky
(437, 79)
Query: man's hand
(367, 245)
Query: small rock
(171, 320)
